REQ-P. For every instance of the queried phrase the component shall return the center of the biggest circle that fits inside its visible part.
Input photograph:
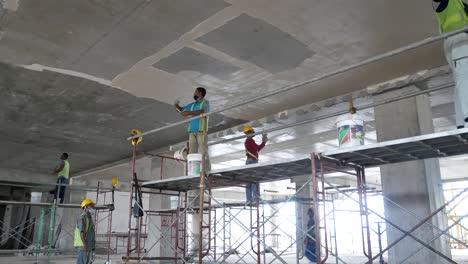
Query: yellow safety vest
(65, 172)
(78, 242)
(200, 122)
(453, 17)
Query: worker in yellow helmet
(251, 151)
(452, 15)
(85, 238)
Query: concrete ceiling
(43, 114)
(153, 52)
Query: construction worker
(198, 126)
(452, 15)
(63, 173)
(251, 151)
(85, 238)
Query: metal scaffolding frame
(50, 219)
(345, 161)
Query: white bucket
(194, 162)
(36, 197)
(350, 131)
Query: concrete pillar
(414, 185)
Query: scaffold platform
(436, 145)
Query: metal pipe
(185, 225)
(316, 208)
(38, 185)
(322, 178)
(2, 202)
(334, 229)
(132, 183)
(382, 56)
(51, 229)
(177, 223)
(361, 185)
(202, 190)
(380, 233)
(39, 233)
(109, 231)
(264, 230)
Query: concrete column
(414, 185)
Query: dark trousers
(60, 181)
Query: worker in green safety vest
(85, 237)
(198, 126)
(63, 174)
(452, 15)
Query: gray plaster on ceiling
(258, 42)
(101, 38)
(188, 59)
(43, 114)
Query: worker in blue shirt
(453, 15)
(198, 126)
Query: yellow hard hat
(248, 129)
(86, 202)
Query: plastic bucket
(350, 132)
(36, 197)
(194, 162)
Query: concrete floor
(460, 256)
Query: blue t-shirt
(197, 125)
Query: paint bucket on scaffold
(350, 131)
(194, 162)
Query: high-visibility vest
(65, 172)
(201, 121)
(78, 242)
(453, 17)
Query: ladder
(205, 226)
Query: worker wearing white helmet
(251, 151)
(85, 238)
